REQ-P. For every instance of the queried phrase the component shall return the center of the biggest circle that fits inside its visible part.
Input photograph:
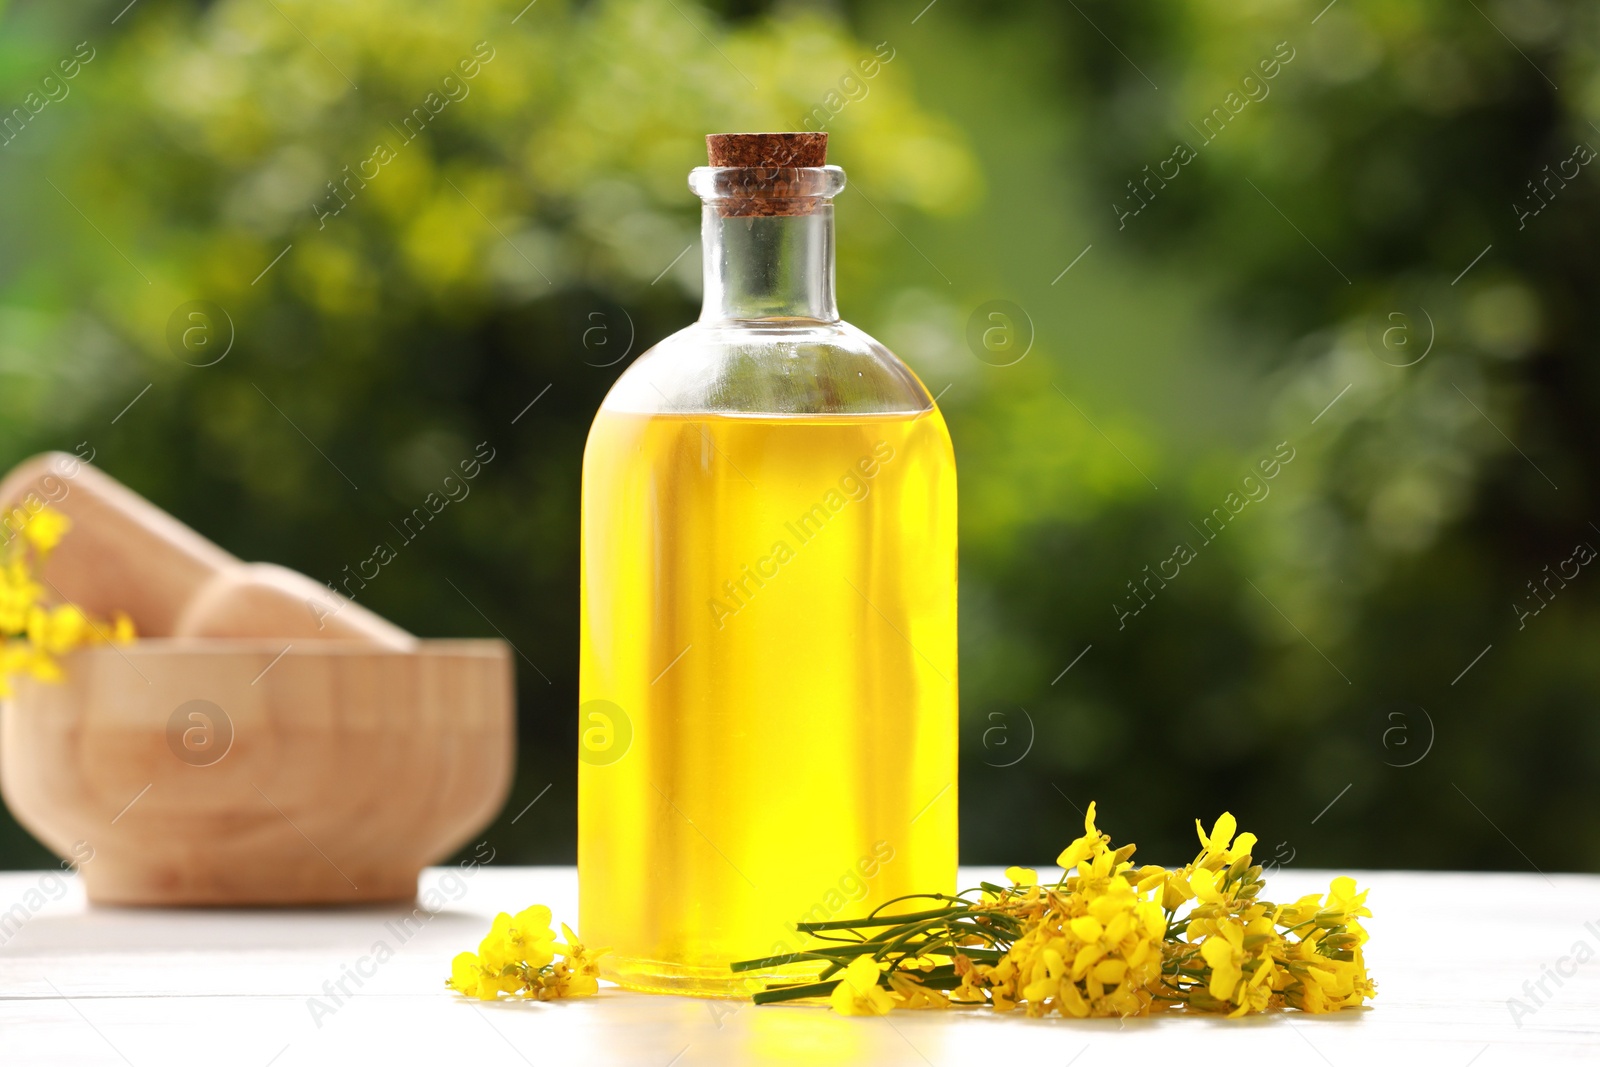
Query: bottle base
(656, 976)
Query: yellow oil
(767, 684)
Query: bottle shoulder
(769, 367)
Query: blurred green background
(1378, 260)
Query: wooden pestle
(125, 554)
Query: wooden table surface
(82, 985)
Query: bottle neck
(768, 266)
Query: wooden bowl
(233, 772)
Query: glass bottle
(768, 651)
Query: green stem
(792, 957)
(794, 992)
(875, 920)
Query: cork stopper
(767, 149)
(771, 172)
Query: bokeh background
(1378, 261)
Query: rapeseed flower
(521, 957)
(858, 991)
(34, 634)
(1106, 939)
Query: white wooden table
(81, 985)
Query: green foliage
(531, 234)
(536, 229)
(1320, 640)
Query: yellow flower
(45, 530)
(913, 994)
(1216, 845)
(1084, 847)
(1174, 885)
(1048, 968)
(57, 630)
(1343, 898)
(525, 939)
(858, 992)
(473, 977)
(577, 974)
(1224, 951)
(519, 957)
(1023, 876)
(1326, 970)
(972, 976)
(31, 633)
(1111, 939)
(18, 595)
(564, 981)
(1002, 984)
(1204, 884)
